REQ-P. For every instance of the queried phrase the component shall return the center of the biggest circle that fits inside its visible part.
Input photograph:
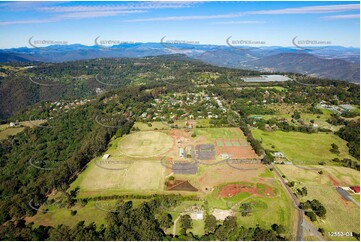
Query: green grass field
(6, 131)
(10, 131)
(319, 119)
(92, 212)
(142, 176)
(128, 169)
(220, 133)
(303, 148)
(341, 216)
(145, 144)
(157, 125)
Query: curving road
(302, 224)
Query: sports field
(303, 148)
(141, 176)
(341, 215)
(145, 144)
(133, 166)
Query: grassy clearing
(121, 174)
(318, 119)
(220, 133)
(303, 148)
(341, 215)
(145, 176)
(284, 108)
(157, 125)
(89, 213)
(267, 173)
(10, 131)
(6, 130)
(145, 144)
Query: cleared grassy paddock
(144, 144)
(341, 215)
(92, 212)
(142, 176)
(303, 148)
(221, 133)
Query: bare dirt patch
(181, 185)
(233, 189)
(222, 214)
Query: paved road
(312, 230)
(301, 222)
(296, 203)
(347, 196)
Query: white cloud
(182, 18)
(241, 22)
(311, 9)
(94, 14)
(300, 10)
(346, 16)
(32, 21)
(85, 11)
(115, 7)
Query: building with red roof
(356, 189)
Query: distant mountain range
(333, 62)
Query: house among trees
(356, 189)
(278, 155)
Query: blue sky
(275, 23)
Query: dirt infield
(236, 149)
(258, 190)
